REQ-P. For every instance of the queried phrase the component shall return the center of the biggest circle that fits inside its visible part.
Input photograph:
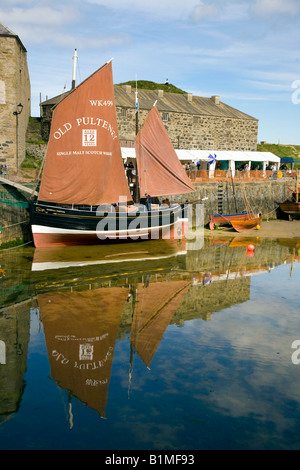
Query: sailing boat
(292, 208)
(241, 225)
(222, 219)
(240, 221)
(84, 196)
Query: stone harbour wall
(262, 196)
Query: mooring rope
(15, 246)
(12, 225)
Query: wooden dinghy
(243, 225)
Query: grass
(31, 162)
(147, 85)
(12, 243)
(282, 151)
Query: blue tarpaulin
(290, 160)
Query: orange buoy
(250, 247)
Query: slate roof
(169, 102)
(177, 103)
(6, 32)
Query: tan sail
(80, 330)
(154, 310)
(84, 162)
(159, 169)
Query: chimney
(216, 99)
(127, 88)
(160, 93)
(189, 97)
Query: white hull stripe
(61, 231)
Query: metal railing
(248, 175)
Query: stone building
(192, 122)
(14, 98)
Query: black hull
(291, 209)
(58, 226)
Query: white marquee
(204, 155)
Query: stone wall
(36, 150)
(262, 196)
(14, 216)
(14, 89)
(187, 131)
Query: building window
(124, 113)
(196, 120)
(165, 117)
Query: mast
(137, 188)
(136, 109)
(297, 187)
(233, 191)
(74, 69)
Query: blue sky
(245, 51)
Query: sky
(245, 51)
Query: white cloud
(41, 15)
(275, 7)
(157, 8)
(203, 11)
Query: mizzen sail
(84, 162)
(159, 169)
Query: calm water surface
(153, 345)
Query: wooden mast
(137, 187)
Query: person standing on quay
(148, 201)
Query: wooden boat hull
(226, 218)
(291, 208)
(58, 226)
(243, 225)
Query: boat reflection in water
(88, 298)
(136, 292)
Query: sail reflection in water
(153, 312)
(80, 330)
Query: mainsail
(159, 169)
(84, 162)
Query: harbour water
(151, 346)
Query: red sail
(159, 169)
(84, 162)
